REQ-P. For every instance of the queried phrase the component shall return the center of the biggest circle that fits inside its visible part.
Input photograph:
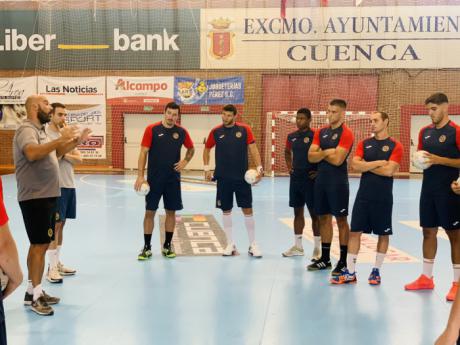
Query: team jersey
(373, 186)
(444, 142)
(231, 150)
(164, 148)
(328, 138)
(299, 143)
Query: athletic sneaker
(53, 275)
(452, 292)
(374, 277)
(338, 268)
(28, 298)
(319, 265)
(168, 253)
(41, 307)
(66, 271)
(254, 251)
(316, 255)
(422, 283)
(230, 250)
(145, 254)
(293, 251)
(344, 277)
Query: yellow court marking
(82, 46)
(415, 224)
(368, 245)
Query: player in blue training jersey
(331, 146)
(232, 140)
(302, 182)
(439, 205)
(162, 144)
(377, 158)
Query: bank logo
(221, 38)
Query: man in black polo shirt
(232, 140)
(162, 144)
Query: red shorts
(3, 215)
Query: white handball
(3, 280)
(419, 160)
(144, 190)
(251, 176)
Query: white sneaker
(53, 275)
(66, 271)
(254, 251)
(230, 250)
(316, 255)
(293, 251)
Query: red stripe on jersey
(250, 136)
(3, 215)
(346, 139)
(211, 142)
(360, 149)
(147, 138)
(316, 136)
(457, 133)
(188, 143)
(396, 155)
(420, 134)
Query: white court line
(186, 187)
(415, 224)
(368, 245)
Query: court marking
(186, 187)
(196, 235)
(367, 249)
(415, 224)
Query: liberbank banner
(103, 39)
(332, 37)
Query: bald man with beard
(37, 175)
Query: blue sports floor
(114, 299)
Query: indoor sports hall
(116, 64)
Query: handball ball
(419, 160)
(250, 176)
(145, 189)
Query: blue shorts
(440, 210)
(167, 187)
(372, 217)
(331, 199)
(67, 204)
(301, 192)
(225, 190)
